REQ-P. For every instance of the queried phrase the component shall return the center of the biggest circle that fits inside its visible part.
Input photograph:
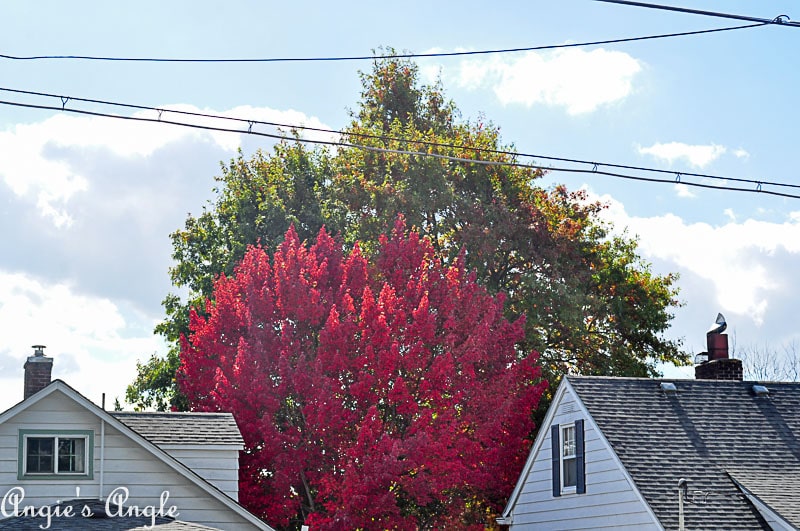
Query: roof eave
(59, 385)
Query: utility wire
(450, 158)
(780, 20)
(374, 57)
(427, 143)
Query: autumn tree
(593, 306)
(372, 394)
(259, 198)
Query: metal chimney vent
(760, 390)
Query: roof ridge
(577, 377)
(172, 413)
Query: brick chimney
(38, 369)
(718, 366)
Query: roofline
(705, 380)
(237, 445)
(614, 455)
(755, 501)
(176, 413)
(216, 446)
(506, 516)
(59, 385)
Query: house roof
(60, 386)
(771, 488)
(713, 434)
(166, 428)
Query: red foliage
(385, 395)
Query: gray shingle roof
(182, 428)
(707, 432)
(772, 488)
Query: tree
(257, 201)
(592, 304)
(767, 363)
(390, 386)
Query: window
(569, 468)
(53, 454)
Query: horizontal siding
(631, 522)
(211, 462)
(126, 464)
(546, 510)
(218, 467)
(610, 501)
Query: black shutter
(580, 487)
(554, 443)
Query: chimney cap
(38, 350)
(719, 326)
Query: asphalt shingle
(182, 428)
(707, 432)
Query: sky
(87, 203)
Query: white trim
(567, 489)
(614, 455)
(56, 436)
(228, 447)
(102, 456)
(767, 512)
(177, 466)
(507, 517)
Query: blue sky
(87, 204)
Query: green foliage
(592, 305)
(155, 384)
(257, 200)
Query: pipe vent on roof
(760, 390)
(669, 388)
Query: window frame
(563, 457)
(88, 454)
(557, 458)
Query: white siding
(610, 501)
(126, 464)
(220, 467)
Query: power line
(427, 143)
(595, 170)
(780, 20)
(374, 57)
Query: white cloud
(93, 345)
(245, 117)
(735, 259)
(684, 191)
(90, 289)
(31, 167)
(698, 156)
(741, 154)
(577, 80)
